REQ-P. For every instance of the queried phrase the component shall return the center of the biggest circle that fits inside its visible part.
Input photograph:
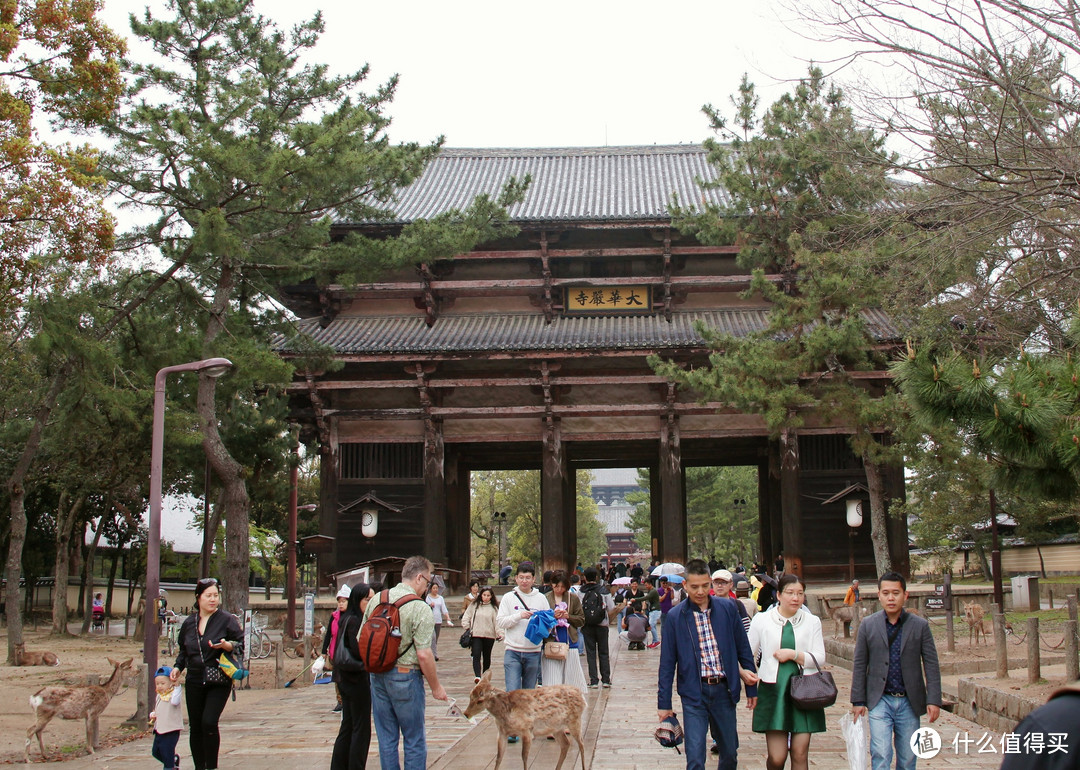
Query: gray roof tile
(568, 184)
(495, 333)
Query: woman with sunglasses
(203, 637)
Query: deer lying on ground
(842, 615)
(24, 658)
(82, 702)
(973, 614)
(552, 710)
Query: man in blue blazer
(704, 643)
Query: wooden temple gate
(532, 354)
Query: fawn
(842, 616)
(527, 713)
(973, 614)
(83, 702)
(24, 658)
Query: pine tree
(806, 184)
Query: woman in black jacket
(354, 735)
(203, 637)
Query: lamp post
(854, 521)
(499, 517)
(212, 367)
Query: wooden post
(142, 707)
(790, 503)
(950, 631)
(555, 476)
(1072, 660)
(1071, 601)
(1000, 644)
(309, 649)
(1034, 665)
(279, 663)
(672, 492)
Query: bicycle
(172, 628)
(261, 645)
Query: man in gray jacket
(895, 677)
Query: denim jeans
(892, 721)
(520, 669)
(397, 705)
(654, 625)
(716, 706)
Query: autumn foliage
(57, 61)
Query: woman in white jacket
(785, 637)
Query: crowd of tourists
(721, 634)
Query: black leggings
(204, 707)
(354, 735)
(481, 647)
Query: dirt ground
(80, 658)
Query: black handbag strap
(813, 658)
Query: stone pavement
(295, 728)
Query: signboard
(247, 639)
(309, 614)
(590, 300)
(935, 604)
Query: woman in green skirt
(781, 636)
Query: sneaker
(176, 761)
(654, 645)
(512, 739)
(593, 685)
(476, 680)
(337, 708)
(607, 685)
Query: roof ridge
(536, 152)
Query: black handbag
(466, 639)
(213, 676)
(813, 691)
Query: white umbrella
(623, 581)
(668, 568)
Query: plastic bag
(317, 667)
(856, 739)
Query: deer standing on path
(82, 702)
(842, 616)
(973, 614)
(527, 713)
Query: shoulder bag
(213, 676)
(344, 660)
(813, 691)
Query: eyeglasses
(207, 582)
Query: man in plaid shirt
(705, 644)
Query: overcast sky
(552, 74)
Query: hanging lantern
(369, 521)
(855, 513)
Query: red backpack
(380, 636)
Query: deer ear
(112, 662)
(486, 677)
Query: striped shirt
(712, 664)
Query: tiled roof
(496, 333)
(568, 184)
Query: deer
(973, 614)
(24, 658)
(842, 616)
(552, 710)
(79, 702)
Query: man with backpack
(597, 605)
(395, 644)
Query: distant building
(610, 488)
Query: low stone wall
(842, 653)
(995, 709)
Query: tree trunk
(230, 472)
(112, 582)
(65, 523)
(879, 523)
(88, 577)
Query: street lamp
(211, 367)
(499, 517)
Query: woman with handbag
(204, 637)
(479, 621)
(354, 735)
(560, 662)
(786, 637)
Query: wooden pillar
(458, 512)
(656, 509)
(328, 495)
(672, 493)
(790, 507)
(435, 545)
(554, 476)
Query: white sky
(558, 73)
